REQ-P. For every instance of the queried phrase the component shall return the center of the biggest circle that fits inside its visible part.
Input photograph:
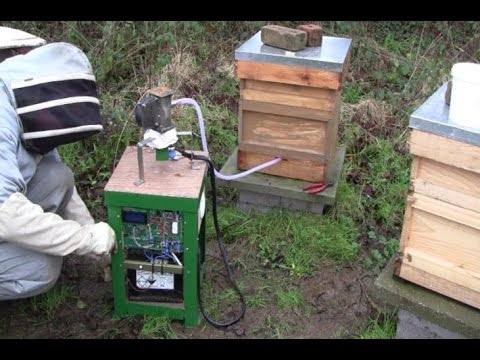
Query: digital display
(134, 217)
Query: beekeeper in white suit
(46, 99)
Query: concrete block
(284, 38)
(453, 316)
(301, 205)
(255, 198)
(250, 201)
(293, 204)
(249, 208)
(317, 208)
(410, 326)
(314, 34)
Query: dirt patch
(332, 304)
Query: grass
(157, 328)
(295, 242)
(260, 299)
(47, 304)
(289, 299)
(382, 327)
(273, 328)
(394, 67)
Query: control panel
(153, 244)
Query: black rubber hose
(221, 245)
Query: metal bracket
(194, 165)
(140, 145)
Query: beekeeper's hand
(102, 241)
(28, 226)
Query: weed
(381, 251)
(387, 175)
(352, 94)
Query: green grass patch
(289, 299)
(292, 241)
(49, 302)
(387, 174)
(260, 299)
(273, 328)
(384, 326)
(158, 327)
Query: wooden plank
(407, 218)
(445, 239)
(332, 131)
(447, 183)
(440, 285)
(282, 151)
(442, 268)
(285, 110)
(287, 99)
(241, 109)
(162, 178)
(285, 131)
(288, 74)
(447, 151)
(297, 169)
(305, 91)
(448, 211)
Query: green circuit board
(152, 229)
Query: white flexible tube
(187, 101)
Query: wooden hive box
(290, 106)
(440, 241)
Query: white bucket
(465, 98)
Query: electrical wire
(221, 246)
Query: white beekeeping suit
(42, 218)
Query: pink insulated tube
(187, 101)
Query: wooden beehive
(440, 242)
(289, 106)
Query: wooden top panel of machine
(162, 178)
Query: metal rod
(140, 145)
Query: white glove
(76, 210)
(101, 242)
(28, 226)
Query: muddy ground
(335, 305)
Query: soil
(335, 304)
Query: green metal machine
(156, 206)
